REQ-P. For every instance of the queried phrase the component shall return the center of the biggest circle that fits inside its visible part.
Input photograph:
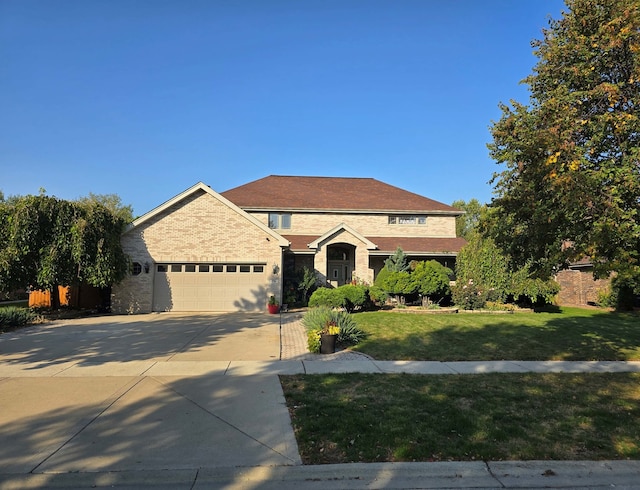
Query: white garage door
(209, 287)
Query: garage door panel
(208, 291)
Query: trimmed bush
(328, 297)
(350, 297)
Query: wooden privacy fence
(83, 296)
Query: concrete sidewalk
(356, 476)
(106, 405)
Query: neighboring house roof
(277, 192)
(201, 187)
(388, 245)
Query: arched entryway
(340, 263)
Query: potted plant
(273, 306)
(328, 337)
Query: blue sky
(145, 98)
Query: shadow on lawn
(606, 336)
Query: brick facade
(579, 288)
(198, 229)
(371, 224)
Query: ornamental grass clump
(329, 321)
(12, 317)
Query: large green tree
(467, 224)
(571, 187)
(46, 242)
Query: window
(205, 268)
(280, 221)
(407, 220)
(136, 268)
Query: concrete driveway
(144, 392)
(159, 337)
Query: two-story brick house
(204, 251)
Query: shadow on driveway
(158, 336)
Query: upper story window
(280, 221)
(407, 220)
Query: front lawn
(569, 334)
(341, 418)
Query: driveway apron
(69, 405)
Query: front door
(339, 273)
(340, 264)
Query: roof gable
(199, 187)
(331, 193)
(338, 229)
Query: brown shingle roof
(338, 193)
(411, 245)
(388, 245)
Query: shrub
(377, 294)
(623, 293)
(349, 296)
(12, 316)
(431, 279)
(313, 341)
(469, 296)
(331, 298)
(356, 296)
(497, 306)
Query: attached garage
(199, 252)
(207, 287)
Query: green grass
(344, 418)
(569, 334)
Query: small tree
(308, 283)
(431, 279)
(395, 283)
(397, 262)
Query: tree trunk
(55, 297)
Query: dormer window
(407, 220)
(280, 221)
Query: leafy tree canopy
(571, 187)
(112, 202)
(468, 223)
(46, 242)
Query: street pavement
(194, 401)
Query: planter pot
(273, 309)
(327, 343)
